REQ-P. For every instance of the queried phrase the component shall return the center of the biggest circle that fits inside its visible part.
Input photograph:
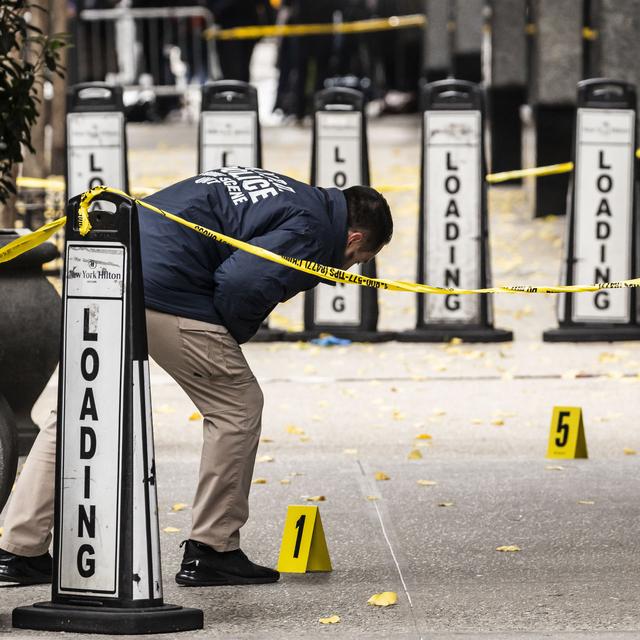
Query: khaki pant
(209, 365)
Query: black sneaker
(203, 566)
(25, 570)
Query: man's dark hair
(368, 212)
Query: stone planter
(30, 311)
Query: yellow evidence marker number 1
(567, 439)
(304, 547)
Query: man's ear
(354, 236)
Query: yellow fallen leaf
(445, 504)
(423, 436)
(455, 341)
(264, 458)
(426, 483)
(171, 530)
(259, 481)
(330, 620)
(285, 481)
(196, 415)
(381, 475)
(586, 502)
(293, 430)
(414, 454)
(498, 422)
(315, 498)
(398, 415)
(266, 440)
(520, 313)
(629, 452)
(1, 531)
(384, 599)
(179, 506)
(509, 547)
(372, 498)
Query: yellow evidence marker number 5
(304, 547)
(567, 439)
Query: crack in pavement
(385, 535)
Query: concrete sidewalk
(488, 410)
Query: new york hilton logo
(101, 273)
(89, 368)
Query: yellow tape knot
(84, 226)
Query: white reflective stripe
(140, 562)
(228, 139)
(338, 149)
(452, 175)
(91, 416)
(95, 151)
(338, 164)
(603, 212)
(153, 491)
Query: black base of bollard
(357, 335)
(506, 128)
(446, 333)
(610, 333)
(52, 616)
(266, 334)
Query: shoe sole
(23, 581)
(222, 579)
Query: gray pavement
(488, 410)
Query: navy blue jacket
(189, 275)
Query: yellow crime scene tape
(334, 274)
(549, 170)
(59, 184)
(288, 30)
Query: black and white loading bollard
(106, 559)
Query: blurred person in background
(385, 65)
(399, 54)
(304, 62)
(235, 55)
